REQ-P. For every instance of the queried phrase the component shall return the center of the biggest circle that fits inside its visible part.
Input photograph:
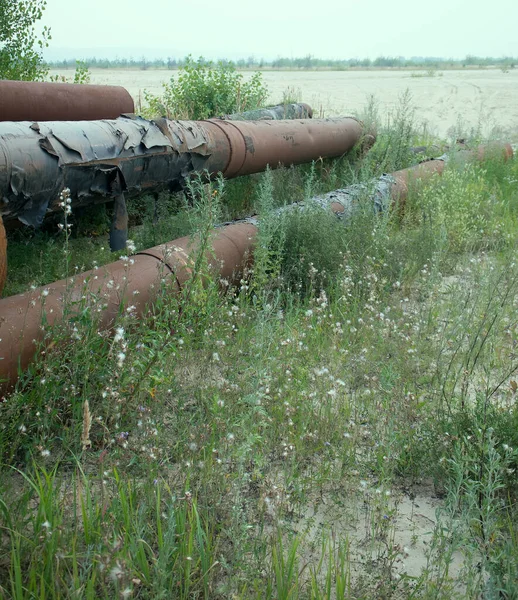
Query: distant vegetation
(306, 62)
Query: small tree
(20, 47)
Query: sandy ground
(458, 99)
(410, 523)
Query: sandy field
(449, 102)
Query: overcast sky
(271, 28)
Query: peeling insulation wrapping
(273, 113)
(100, 160)
(92, 159)
(232, 249)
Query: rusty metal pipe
(391, 189)
(21, 315)
(99, 160)
(425, 170)
(42, 101)
(112, 159)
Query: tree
(20, 47)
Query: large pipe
(272, 113)
(42, 101)
(391, 189)
(109, 159)
(99, 160)
(21, 315)
(460, 154)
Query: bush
(203, 90)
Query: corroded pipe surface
(100, 160)
(21, 315)
(273, 113)
(250, 146)
(403, 179)
(107, 160)
(390, 189)
(42, 101)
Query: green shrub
(81, 75)
(203, 90)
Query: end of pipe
(308, 109)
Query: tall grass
(263, 441)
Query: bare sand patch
(393, 534)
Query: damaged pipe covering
(273, 113)
(44, 101)
(100, 160)
(232, 248)
(105, 160)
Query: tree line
(306, 62)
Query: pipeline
(100, 160)
(15, 157)
(135, 282)
(105, 160)
(273, 113)
(279, 112)
(43, 101)
(391, 189)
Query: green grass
(266, 442)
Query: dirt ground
(445, 102)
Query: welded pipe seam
(236, 147)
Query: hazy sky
(271, 28)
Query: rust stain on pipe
(389, 190)
(422, 172)
(42, 101)
(427, 169)
(494, 150)
(112, 159)
(274, 143)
